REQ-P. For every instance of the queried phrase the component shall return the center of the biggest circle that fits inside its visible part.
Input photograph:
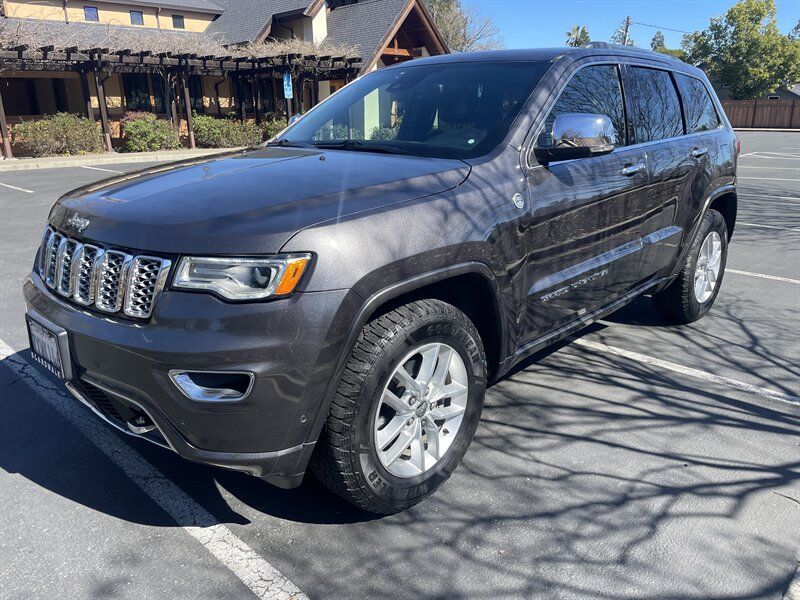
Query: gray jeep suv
(339, 298)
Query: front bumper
(121, 367)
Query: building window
(90, 13)
(177, 22)
(137, 18)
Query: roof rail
(613, 46)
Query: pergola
(95, 51)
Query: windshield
(446, 110)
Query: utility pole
(625, 29)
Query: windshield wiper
(284, 143)
(359, 146)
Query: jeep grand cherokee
(338, 298)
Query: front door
(584, 237)
(658, 123)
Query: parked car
(340, 298)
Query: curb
(27, 164)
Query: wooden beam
(101, 97)
(4, 130)
(400, 52)
(188, 105)
(257, 97)
(87, 96)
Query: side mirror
(295, 118)
(577, 135)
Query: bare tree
(464, 29)
(622, 35)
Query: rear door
(658, 127)
(584, 235)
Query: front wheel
(406, 407)
(695, 288)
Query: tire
(679, 302)
(347, 459)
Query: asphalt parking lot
(639, 460)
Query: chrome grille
(108, 280)
(147, 274)
(51, 258)
(85, 281)
(65, 257)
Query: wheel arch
(726, 203)
(446, 284)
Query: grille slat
(66, 256)
(51, 253)
(85, 280)
(107, 280)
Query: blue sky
(542, 23)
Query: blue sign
(288, 93)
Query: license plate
(45, 348)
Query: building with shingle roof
(182, 57)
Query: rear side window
(698, 107)
(655, 105)
(592, 90)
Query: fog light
(213, 386)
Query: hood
(246, 201)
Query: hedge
(144, 132)
(212, 132)
(60, 134)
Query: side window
(697, 105)
(655, 105)
(592, 90)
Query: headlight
(242, 278)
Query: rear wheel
(694, 291)
(406, 407)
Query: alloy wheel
(421, 409)
(706, 271)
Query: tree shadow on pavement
(591, 476)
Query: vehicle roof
(553, 54)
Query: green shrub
(212, 132)
(384, 133)
(59, 134)
(272, 126)
(144, 132)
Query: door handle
(698, 152)
(632, 169)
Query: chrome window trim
(533, 133)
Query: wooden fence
(767, 114)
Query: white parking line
(99, 169)
(676, 368)
(768, 178)
(755, 155)
(19, 189)
(257, 574)
(747, 195)
(770, 168)
(766, 226)
(763, 276)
